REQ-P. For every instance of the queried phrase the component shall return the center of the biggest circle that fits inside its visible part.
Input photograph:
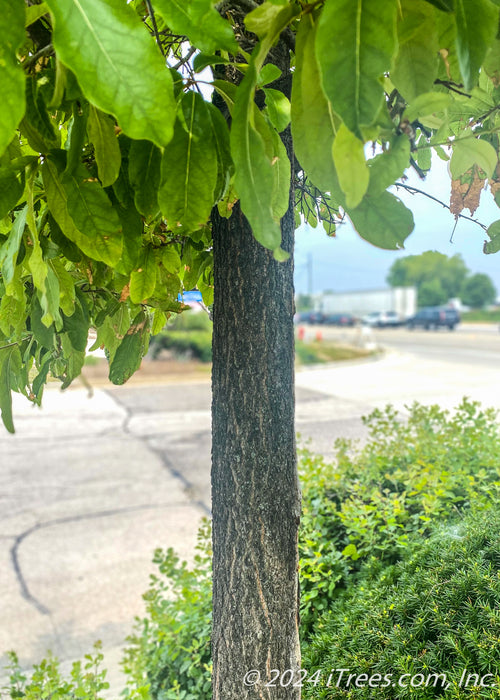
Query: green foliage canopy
(439, 278)
(478, 290)
(112, 157)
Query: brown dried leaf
(494, 181)
(466, 192)
(125, 293)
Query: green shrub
(371, 500)
(170, 650)
(190, 320)
(437, 612)
(196, 344)
(87, 680)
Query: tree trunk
(255, 493)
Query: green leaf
(77, 137)
(350, 551)
(49, 299)
(144, 161)
(143, 280)
(225, 167)
(254, 174)
(477, 24)
(189, 167)
(262, 19)
(200, 22)
(170, 259)
(84, 214)
(10, 364)
(34, 12)
(76, 327)
(10, 248)
(491, 63)
(355, 46)
(107, 151)
(128, 355)
(37, 125)
(493, 245)
(268, 74)
(91, 210)
(350, 164)
(12, 315)
(427, 104)
(12, 36)
(133, 229)
(11, 189)
(382, 220)
(66, 286)
(472, 151)
(278, 108)
(44, 334)
(203, 60)
(443, 5)
(389, 166)
(416, 64)
(159, 321)
(117, 65)
(314, 125)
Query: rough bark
(255, 494)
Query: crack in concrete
(19, 539)
(164, 458)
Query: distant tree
(478, 290)
(431, 293)
(434, 274)
(304, 302)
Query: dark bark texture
(255, 493)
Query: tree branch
(415, 190)
(44, 52)
(155, 28)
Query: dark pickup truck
(434, 317)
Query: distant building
(402, 300)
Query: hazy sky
(347, 262)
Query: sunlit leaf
(10, 363)
(143, 280)
(117, 65)
(12, 16)
(383, 220)
(200, 22)
(355, 46)
(350, 163)
(314, 125)
(477, 24)
(144, 161)
(189, 167)
(472, 151)
(416, 64)
(107, 151)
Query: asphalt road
(90, 486)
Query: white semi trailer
(402, 300)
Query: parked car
(434, 317)
(382, 319)
(309, 317)
(340, 320)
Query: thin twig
(415, 190)
(484, 116)
(155, 28)
(421, 173)
(452, 86)
(46, 51)
(185, 59)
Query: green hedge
(427, 627)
